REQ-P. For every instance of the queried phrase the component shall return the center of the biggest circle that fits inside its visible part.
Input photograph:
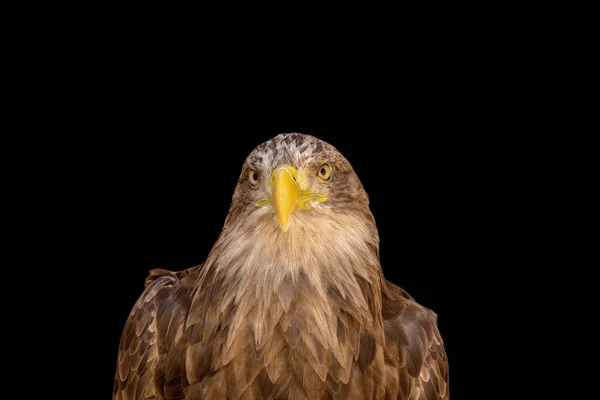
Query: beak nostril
(288, 169)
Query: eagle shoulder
(416, 362)
(149, 364)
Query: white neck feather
(317, 245)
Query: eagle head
(294, 174)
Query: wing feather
(414, 348)
(148, 348)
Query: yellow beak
(286, 193)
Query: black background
(130, 140)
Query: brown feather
(414, 346)
(366, 352)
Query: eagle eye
(324, 172)
(254, 177)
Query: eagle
(291, 301)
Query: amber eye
(254, 177)
(324, 172)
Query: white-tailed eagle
(291, 302)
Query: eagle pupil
(323, 171)
(255, 177)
